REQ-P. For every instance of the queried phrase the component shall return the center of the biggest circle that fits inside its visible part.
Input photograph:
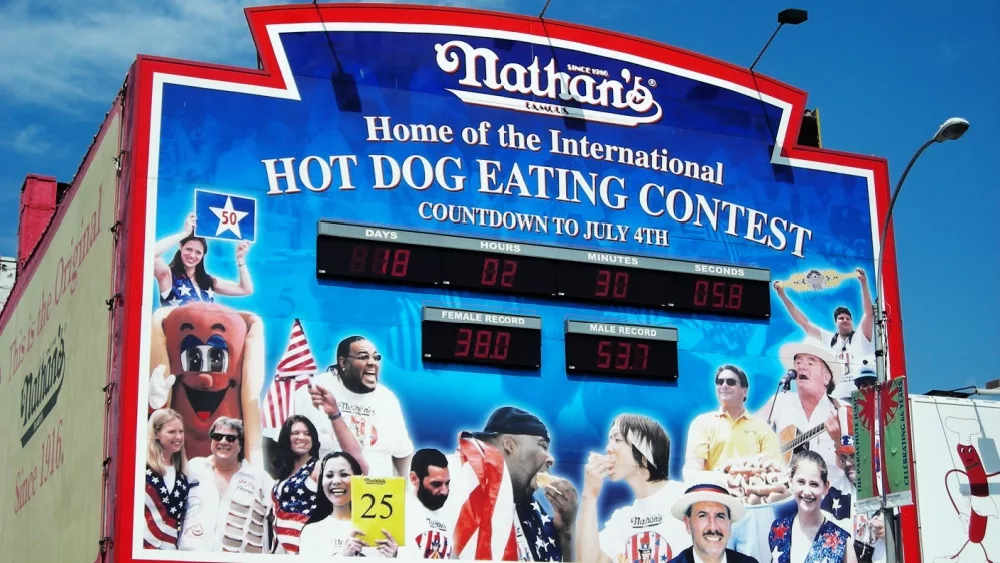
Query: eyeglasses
(728, 381)
(366, 357)
(220, 437)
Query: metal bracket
(118, 160)
(108, 389)
(106, 543)
(116, 299)
(116, 229)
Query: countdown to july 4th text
(384, 173)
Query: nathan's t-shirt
(327, 538)
(646, 531)
(375, 419)
(428, 533)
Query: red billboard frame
(140, 96)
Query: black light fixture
(790, 16)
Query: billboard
(543, 275)
(54, 332)
(959, 490)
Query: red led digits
(716, 295)
(491, 270)
(615, 285)
(482, 344)
(627, 356)
(384, 261)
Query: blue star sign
(225, 216)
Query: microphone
(786, 381)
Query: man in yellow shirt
(731, 432)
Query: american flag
(485, 528)
(297, 365)
(837, 503)
(293, 504)
(164, 511)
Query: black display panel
(628, 351)
(476, 337)
(499, 272)
(377, 260)
(593, 282)
(727, 296)
(419, 258)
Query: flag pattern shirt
(540, 538)
(164, 511)
(293, 501)
(183, 291)
(829, 546)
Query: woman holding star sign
(184, 279)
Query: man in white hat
(708, 511)
(811, 407)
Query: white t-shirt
(327, 538)
(801, 543)
(788, 412)
(850, 354)
(646, 527)
(232, 521)
(375, 419)
(429, 533)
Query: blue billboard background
(218, 141)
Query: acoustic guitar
(794, 441)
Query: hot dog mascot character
(207, 361)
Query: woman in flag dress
(294, 467)
(185, 279)
(330, 532)
(809, 536)
(166, 480)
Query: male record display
(519, 267)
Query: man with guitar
(801, 418)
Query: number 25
(384, 502)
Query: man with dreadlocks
(638, 452)
(848, 345)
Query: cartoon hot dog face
(205, 344)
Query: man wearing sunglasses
(730, 432)
(352, 388)
(226, 504)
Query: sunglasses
(220, 437)
(728, 381)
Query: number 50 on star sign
(225, 216)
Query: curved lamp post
(948, 131)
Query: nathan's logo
(547, 83)
(646, 521)
(41, 389)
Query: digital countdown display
(417, 258)
(619, 349)
(479, 337)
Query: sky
(883, 80)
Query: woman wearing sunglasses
(227, 506)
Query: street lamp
(948, 131)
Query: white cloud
(28, 141)
(62, 54)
